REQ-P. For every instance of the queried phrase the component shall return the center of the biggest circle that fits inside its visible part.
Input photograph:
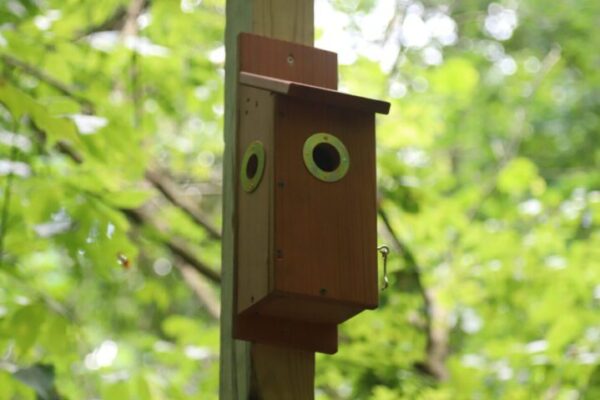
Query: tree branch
(177, 247)
(135, 9)
(130, 29)
(518, 131)
(162, 182)
(181, 250)
(115, 21)
(171, 191)
(192, 269)
(437, 335)
(6, 204)
(191, 277)
(49, 80)
(203, 291)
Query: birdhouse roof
(314, 93)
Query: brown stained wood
(287, 333)
(236, 369)
(307, 308)
(289, 61)
(316, 263)
(325, 232)
(253, 210)
(314, 93)
(281, 375)
(290, 20)
(312, 66)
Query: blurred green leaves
(592, 390)
(80, 269)
(41, 379)
(21, 104)
(518, 176)
(456, 80)
(487, 177)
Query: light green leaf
(128, 199)
(11, 388)
(517, 176)
(119, 390)
(592, 391)
(26, 324)
(20, 103)
(16, 101)
(184, 329)
(456, 79)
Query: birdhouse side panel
(325, 231)
(254, 212)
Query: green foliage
(487, 176)
(592, 390)
(41, 379)
(87, 291)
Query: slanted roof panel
(314, 93)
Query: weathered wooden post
(256, 371)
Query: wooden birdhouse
(305, 216)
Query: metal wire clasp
(384, 250)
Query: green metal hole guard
(253, 166)
(326, 157)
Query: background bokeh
(488, 182)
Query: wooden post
(252, 371)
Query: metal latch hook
(384, 250)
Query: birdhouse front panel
(325, 211)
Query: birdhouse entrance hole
(253, 166)
(326, 157)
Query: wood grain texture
(282, 375)
(290, 20)
(307, 308)
(267, 57)
(322, 265)
(287, 333)
(236, 371)
(325, 232)
(254, 210)
(314, 93)
(313, 66)
(234, 362)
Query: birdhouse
(305, 221)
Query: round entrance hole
(326, 156)
(251, 166)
